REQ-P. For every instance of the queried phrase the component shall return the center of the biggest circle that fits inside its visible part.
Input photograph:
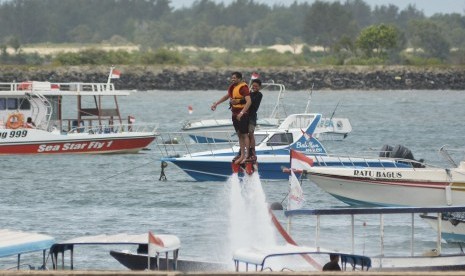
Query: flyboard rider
(240, 115)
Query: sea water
(68, 196)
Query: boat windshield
(259, 138)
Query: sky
(429, 7)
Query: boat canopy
(18, 242)
(171, 242)
(258, 256)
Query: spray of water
(249, 221)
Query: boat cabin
(62, 106)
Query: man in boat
(256, 98)
(333, 264)
(240, 116)
(29, 123)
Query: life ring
(15, 120)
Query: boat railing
(39, 86)
(355, 213)
(115, 128)
(172, 144)
(353, 161)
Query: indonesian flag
(191, 110)
(296, 194)
(155, 244)
(300, 161)
(255, 76)
(55, 87)
(115, 74)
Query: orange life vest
(236, 94)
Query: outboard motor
(401, 152)
(386, 151)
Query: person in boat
(333, 264)
(256, 98)
(29, 123)
(240, 116)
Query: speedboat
(452, 225)
(273, 146)
(396, 186)
(96, 127)
(209, 130)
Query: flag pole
(148, 245)
(109, 76)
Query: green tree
(376, 40)
(326, 23)
(429, 36)
(229, 37)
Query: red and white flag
(300, 161)
(54, 87)
(155, 244)
(296, 194)
(255, 76)
(191, 110)
(115, 74)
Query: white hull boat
(210, 130)
(97, 127)
(452, 225)
(273, 146)
(422, 187)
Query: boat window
(12, 103)
(2, 103)
(280, 139)
(24, 104)
(259, 138)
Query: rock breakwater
(193, 78)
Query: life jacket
(236, 94)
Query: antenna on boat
(309, 99)
(334, 111)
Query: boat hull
(391, 187)
(451, 230)
(44, 142)
(270, 166)
(140, 262)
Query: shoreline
(301, 78)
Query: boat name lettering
(13, 134)
(74, 146)
(377, 174)
(309, 147)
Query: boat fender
(15, 120)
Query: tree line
(348, 31)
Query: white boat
(97, 125)
(421, 187)
(209, 130)
(19, 243)
(452, 225)
(165, 258)
(161, 259)
(213, 161)
(411, 260)
(294, 258)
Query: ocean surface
(67, 196)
